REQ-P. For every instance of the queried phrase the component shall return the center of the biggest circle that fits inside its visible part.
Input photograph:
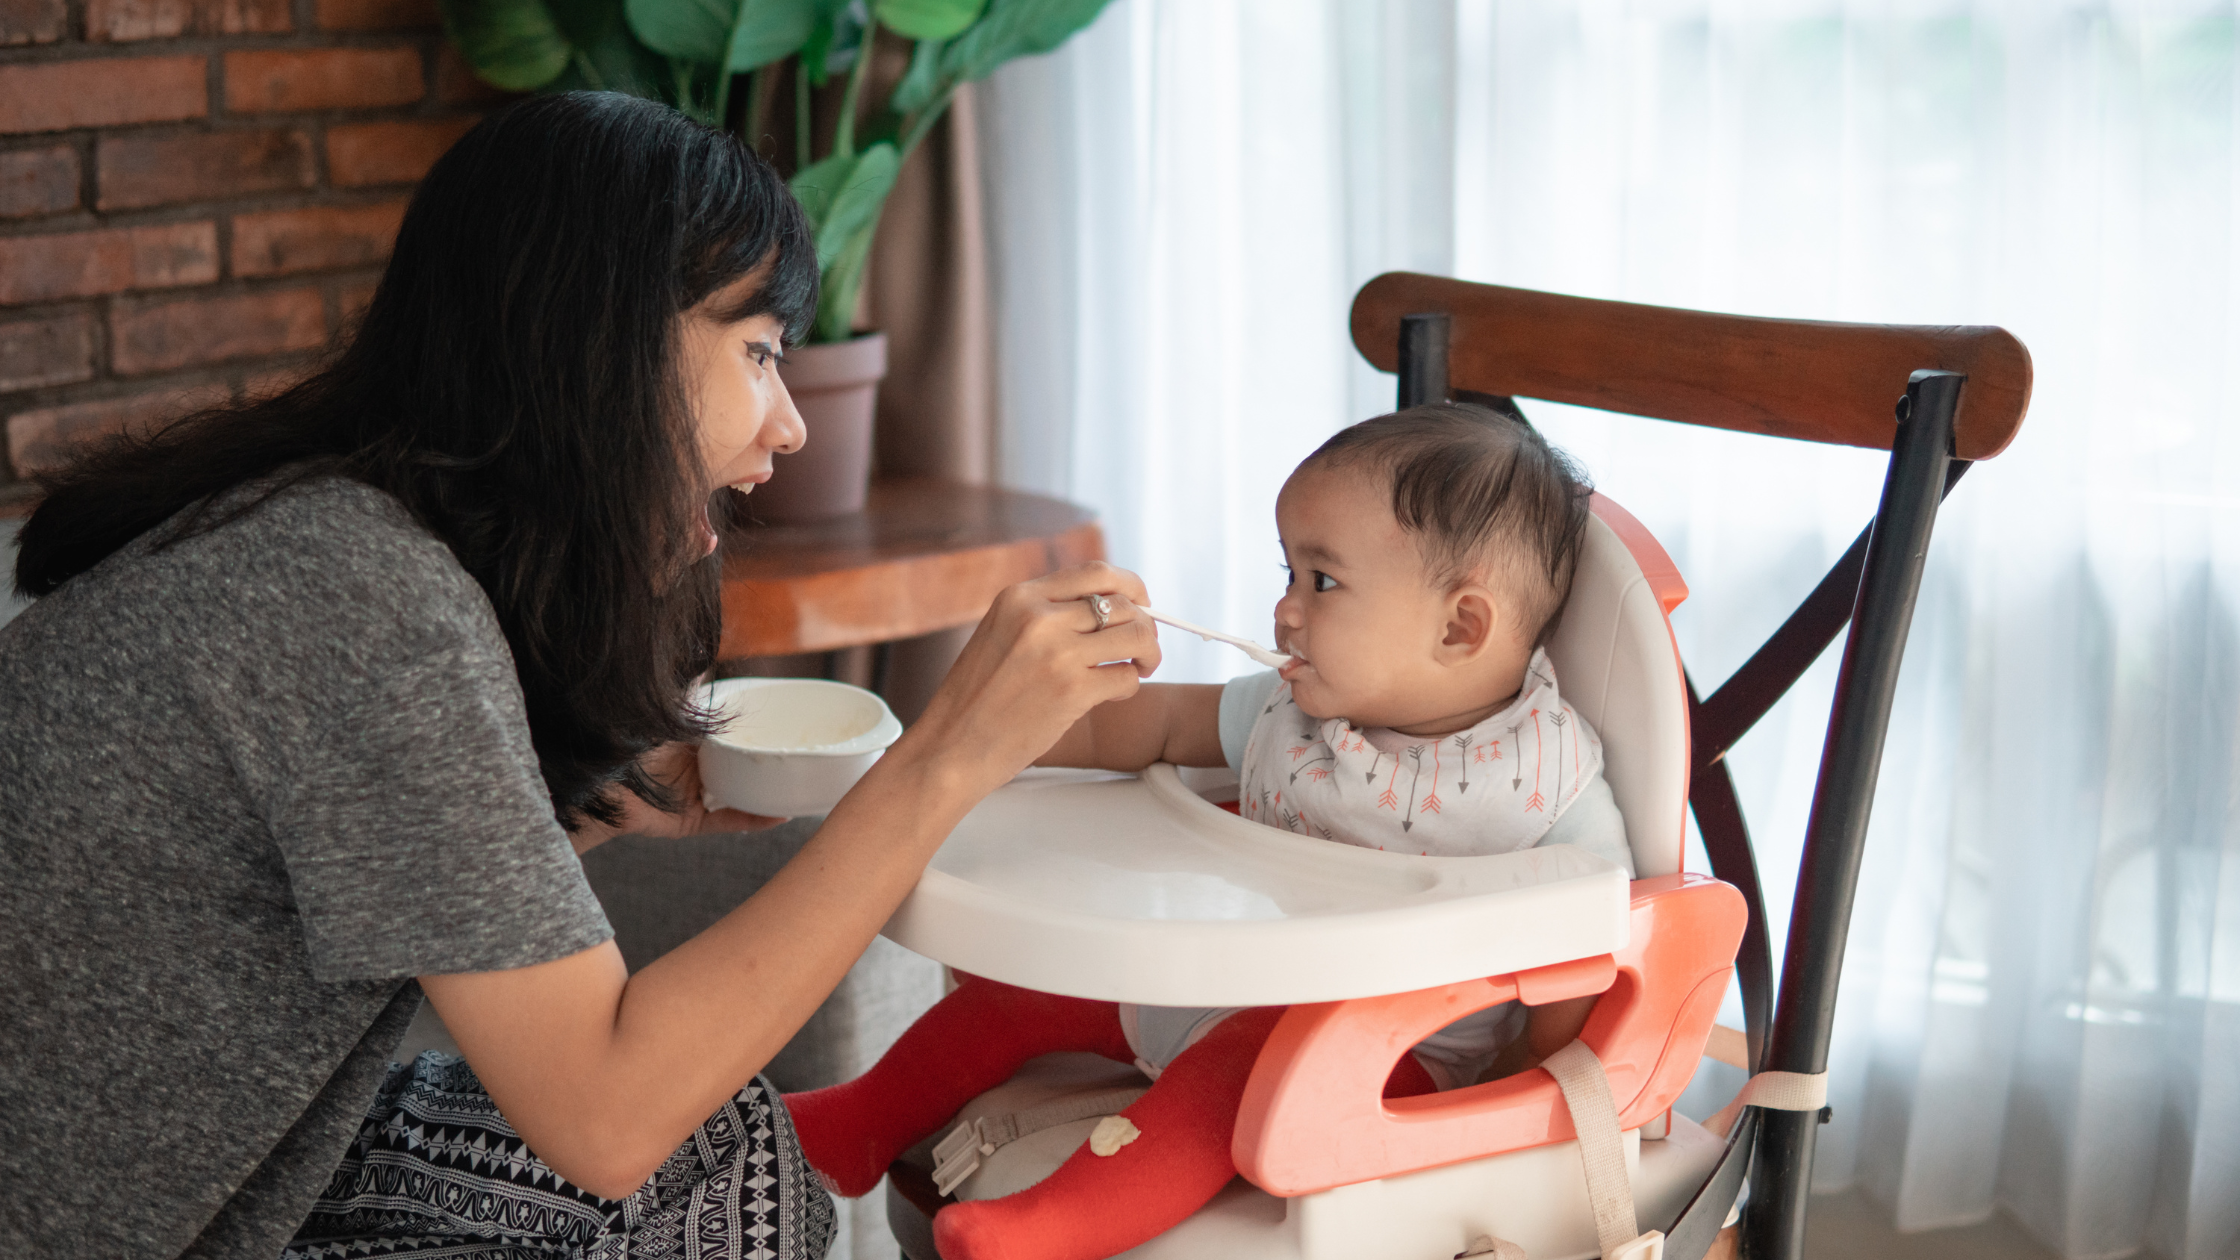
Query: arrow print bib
(1494, 788)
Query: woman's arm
(604, 1074)
(1178, 723)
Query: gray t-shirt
(249, 785)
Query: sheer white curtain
(2041, 1005)
(1182, 200)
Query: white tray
(1136, 889)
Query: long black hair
(514, 384)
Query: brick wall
(197, 195)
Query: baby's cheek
(1347, 692)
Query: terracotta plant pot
(835, 386)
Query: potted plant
(726, 62)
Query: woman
(320, 690)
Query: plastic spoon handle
(1273, 660)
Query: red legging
(1092, 1206)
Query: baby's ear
(1471, 622)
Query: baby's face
(1372, 634)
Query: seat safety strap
(1775, 1091)
(958, 1155)
(1594, 1116)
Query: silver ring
(1100, 607)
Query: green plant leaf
(923, 81)
(512, 44)
(843, 195)
(884, 127)
(740, 35)
(815, 52)
(588, 23)
(625, 65)
(832, 47)
(693, 30)
(1015, 28)
(818, 185)
(927, 19)
(608, 57)
(769, 29)
(837, 289)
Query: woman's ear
(1470, 626)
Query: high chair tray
(1136, 889)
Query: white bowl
(791, 746)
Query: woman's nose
(783, 430)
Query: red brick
(38, 181)
(361, 154)
(134, 171)
(41, 441)
(84, 264)
(52, 351)
(275, 381)
(58, 95)
(155, 337)
(323, 78)
(457, 84)
(317, 238)
(122, 20)
(353, 299)
(32, 21)
(378, 15)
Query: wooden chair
(1960, 395)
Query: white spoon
(1273, 660)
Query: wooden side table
(923, 555)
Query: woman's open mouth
(745, 485)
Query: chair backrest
(1796, 378)
(1617, 664)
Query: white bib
(1494, 788)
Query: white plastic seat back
(1618, 666)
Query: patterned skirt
(437, 1174)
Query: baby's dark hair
(1485, 496)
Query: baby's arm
(1178, 723)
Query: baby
(1430, 552)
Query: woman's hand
(1035, 665)
(677, 767)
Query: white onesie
(1527, 776)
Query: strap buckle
(957, 1156)
(1649, 1246)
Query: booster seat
(1141, 889)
